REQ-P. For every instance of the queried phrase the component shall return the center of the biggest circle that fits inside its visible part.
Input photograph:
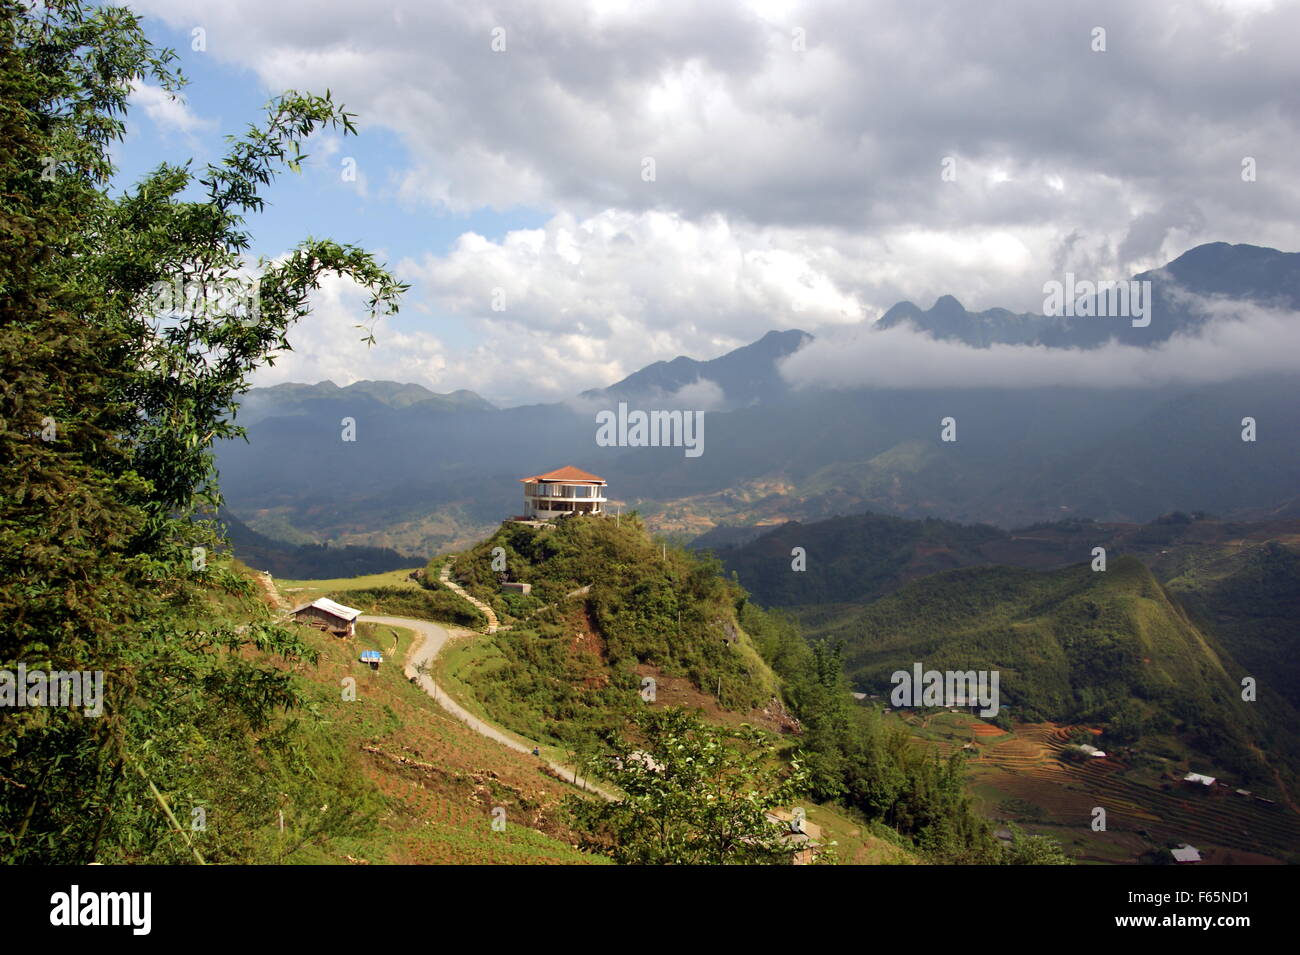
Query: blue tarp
(371, 656)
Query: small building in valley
(325, 614)
(1199, 779)
(801, 837)
(1186, 853)
(562, 493)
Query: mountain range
(427, 471)
(1215, 270)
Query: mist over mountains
(1055, 417)
(1217, 270)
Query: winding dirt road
(431, 638)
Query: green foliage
(1025, 849)
(1076, 646)
(1249, 598)
(566, 671)
(542, 687)
(109, 407)
(692, 794)
(851, 757)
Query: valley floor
(1021, 776)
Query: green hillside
(610, 606)
(1251, 601)
(1071, 645)
(853, 558)
(571, 663)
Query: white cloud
(169, 112)
(1241, 341)
(328, 344)
(793, 187)
(848, 132)
(703, 394)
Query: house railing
(571, 492)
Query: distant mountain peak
(1240, 272)
(747, 375)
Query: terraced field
(1027, 767)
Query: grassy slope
(1250, 598)
(1071, 645)
(303, 591)
(432, 781)
(392, 593)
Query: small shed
(1199, 778)
(1186, 853)
(325, 614)
(373, 657)
(800, 836)
(517, 587)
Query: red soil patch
(589, 649)
(679, 691)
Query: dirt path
(431, 638)
(272, 592)
(444, 576)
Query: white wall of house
(550, 499)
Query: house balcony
(542, 494)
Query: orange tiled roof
(567, 474)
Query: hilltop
(609, 606)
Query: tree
(693, 794)
(1032, 850)
(129, 325)
(824, 706)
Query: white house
(562, 492)
(1199, 778)
(325, 614)
(1186, 853)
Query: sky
(574, 190)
